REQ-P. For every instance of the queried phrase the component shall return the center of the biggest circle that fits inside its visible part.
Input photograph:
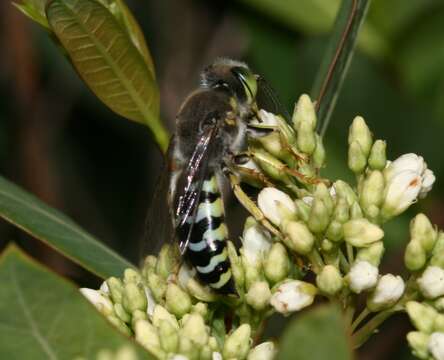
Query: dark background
(60, 143)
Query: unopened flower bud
(342, 210)
(104, 289)
(201, 309)
(438, 304)
(160, 314)
(388, 291)
(422, 230)
(361, 232)
(237, 344)
(255, 244)
(323, 193)
(328, 246)
(360, 133)
(438, 252)
(199, 291)
(298, 237)
(329, 280)
(306, 140)
(318, 155)
(146, 335)
(319, 216)
(252, 271)
(335, 231)
(236, 266)
(258, 295)
(357, 160)
(276, 264)
(436, 345)
(168, 336)
(101, 302)
(115, 288)
(414, 257)
(119, 324)
(421, 315)
(293, 295)
(178, 302)
(419, 342)
(121, 313)
(378, 159)
(431, 283)
(372, 254)
(131, 275)
(355, 211)
(344, 190)
(372, 190)
(188, 348)
(157, 285)
(276, 205)
(168, 261)
(264, 351)
(149, 264)
(303, 210)
(194, 329)
(362, 276)
(134, 297)
(138, 315)
(206, 353)
(304, 112)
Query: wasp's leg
(249, 204)
(244, 166)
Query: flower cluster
(301, 224)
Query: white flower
(431, 283)
(362, 276)
(276, 205)
(407, 178)
(436, 345)
(104, 288)
(151, 302)
(178, 357)
(264, 351)
(255, 243)
(293, 296)
(267, 118)
(388, 291)
(101, 302)
(217, 356)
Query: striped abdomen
(207, 247)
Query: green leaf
(335, 63)
(318, 334)
(58, 231)
(107, 60)
(42, 316)
(35, 10)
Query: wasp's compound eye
(247, 79)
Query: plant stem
(343, 261)
(316, 260)
(350, 255)
(364, 313)
(362, 335)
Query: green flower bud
(160, 314)
(360, 133)
(355, 211)
(303, 210)
(168, 336)
(116, 289)
(378, 159)
(168, 261)
(121, 313)
(372, 191)
(306, 140)
(138, 315)
(327, 246)
(252, 270)
(201, 309)
(131, 276)
(361, 232)
(421, 229)
(273, 144)
(237, 344)
(439, 323)
(342, 210)
(419, 342)
(335, 231)
(125, 352)
(415, 257)
(236, 266)
(304, 112)
(319, 216)
(329, 280)
(149, 264)
(318, 156)
(357, 161)
(323, 193)
(202, 293)
(212, 343)
(188, 348)
(134, 298)
(277, 263)
(178, 302)
(146, 335)
(258, 295)
(206, 353)
(298, 237)
(195, 330)
(344, 190)
(438, 304)
(438, 252)
(372, 254)
(119, 324)
(157, 285)
(422, 316)
(269, 164)
(265, 351)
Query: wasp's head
(232, 76)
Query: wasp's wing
(268, 100)
(189, 185)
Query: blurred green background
(60, 143)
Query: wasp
(212, 127)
